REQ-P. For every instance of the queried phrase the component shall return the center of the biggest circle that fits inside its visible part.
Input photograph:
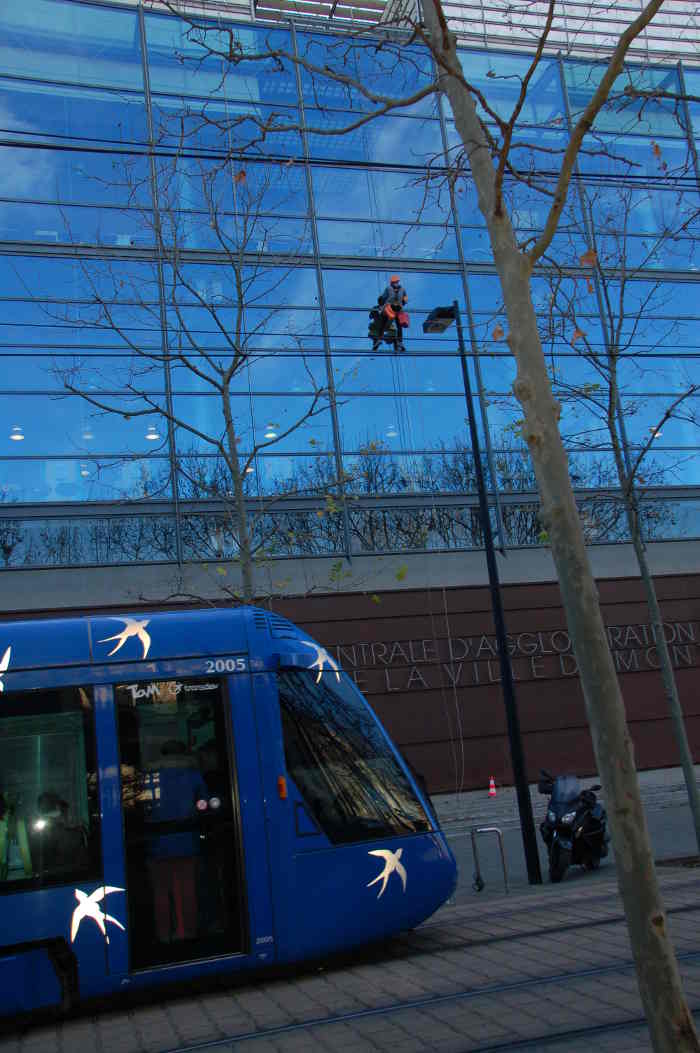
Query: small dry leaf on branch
(498, 332)
(577, 334)
(240, 177)
(656, 149)
(589, 258)
(589, 284)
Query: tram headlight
(40, 824)
(568, 818)
(201, 805)
(214, 803)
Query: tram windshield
(341, 761)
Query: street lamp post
(437, 321)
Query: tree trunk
(667, 675)
(671, 1026)
(245, 554)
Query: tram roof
(140, 636)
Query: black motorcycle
(575, 826)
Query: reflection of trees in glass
(342, 763)
(200, 339)
(629, 372)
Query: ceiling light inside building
(270, 432)
(391, 432)
(17, 435)
(152, 433)
(84, 471)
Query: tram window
(341, 761)
(49, 808)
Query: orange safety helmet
(394, 280)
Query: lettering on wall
(388, 666)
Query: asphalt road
(671, 831)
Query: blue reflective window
(228, 128)
(499, 77)
(389, 140)
(272, 418)
(97, 179)
(393, 240)
(355, 193)
(644, 420)
(40, 112)
(400, 423)
(69, 303)
(384, 373)
(39, 370)
(260, 286)
(57, 541)
(388, 69)
(83, 479)
(68, 425)
(264, 371)
(226, 233)
(247, 189)
(191, 60)
(63, 41)
(64, 224)
(625, 113)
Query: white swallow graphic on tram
(89, 907)
(391, 864)
(4, 662)
(131, 628)
(322, 658)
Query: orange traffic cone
(492, 787)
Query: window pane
(389, 140)
(63, 542)
(364, 194)
(185, 60)
(624, 113)
(341, 762)
(396, 71)
(84, 478)
(499, 77)
(49, 807)
(52, 111)
(71, 42)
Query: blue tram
(191, 793)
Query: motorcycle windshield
(566, 789)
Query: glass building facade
(168, 219)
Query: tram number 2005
(226, 665)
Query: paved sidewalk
(662, 788)
(542, 968)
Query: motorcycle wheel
(559, 860)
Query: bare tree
(491, 147)
(640, 320)
(228, 331)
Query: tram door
(183, 865)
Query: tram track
(468, 994)
(489, 940)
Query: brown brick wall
(426, 660)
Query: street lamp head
(439, 319)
